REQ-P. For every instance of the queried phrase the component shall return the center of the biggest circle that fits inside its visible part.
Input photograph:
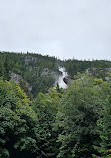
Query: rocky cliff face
(30, 59)
(102, 73)
(67, 79)
(17, 79)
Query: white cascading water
(60, 81)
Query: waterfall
(60, 81)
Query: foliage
(74, 66)
(54, 123)
(46, 107)
(104, 125)
(17, 121)
(77, 118)
(30, 67)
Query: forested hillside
(36, 73)
(98, 67)
(39, 121)
(32, 71)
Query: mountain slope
(36, 73)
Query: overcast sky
(78, 29)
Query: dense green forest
(74, 66)
(31, 69)
(47, 122)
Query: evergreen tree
(104, 125)
(77, 118)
